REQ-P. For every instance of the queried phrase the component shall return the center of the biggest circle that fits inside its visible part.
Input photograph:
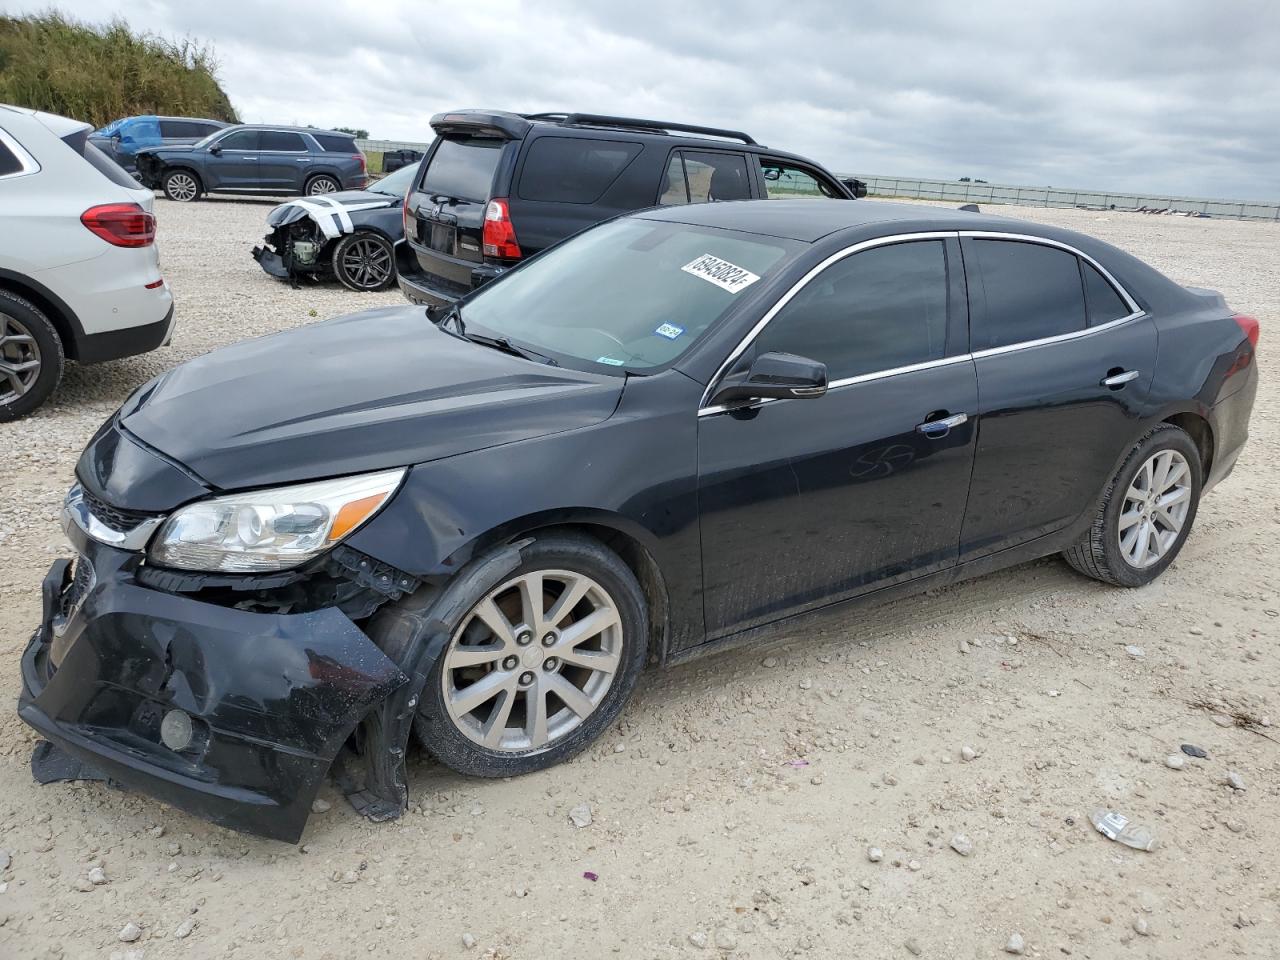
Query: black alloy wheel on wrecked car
(364, 261)
(538, 663)
(322, 184)
(182, 186)
(31, 357)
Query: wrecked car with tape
(353, 236)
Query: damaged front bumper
(232, 715)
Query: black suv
(496, 187)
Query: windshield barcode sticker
(722, 273)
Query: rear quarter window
(573, 169)
(462, 168)
(331, 143)
(9, 162)
(79, 143)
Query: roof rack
(658, 126)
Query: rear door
(283, 161)
(448, 205)
(1064, 362)
(235, 164)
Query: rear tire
(1146, 512)
(182, 186)
(321, 185)
(26, 338)
(364, 261)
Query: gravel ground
(733, 808)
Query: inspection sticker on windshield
(721, 272)
(670, 331)
(611, 361)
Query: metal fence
(972, 192)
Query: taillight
(1249, 327)
(121, 224)
(363, 167)
(499, 235)
(404, 216)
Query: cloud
(1171, 97)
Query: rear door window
(1029, 291)
(784, 181)
(283, 141)
(573, 169)
(700, 177)
(1105, 304)
(463, 168)
(883, 308)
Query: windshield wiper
(496, 343)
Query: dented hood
(370, 391)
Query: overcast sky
(1179, 96)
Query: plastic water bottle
(1118, 827)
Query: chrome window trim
(801, 284)
(29, 163)
(704, 410)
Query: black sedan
(356, 236)
(678, 430)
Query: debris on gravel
(1016, 945)
(580, 815)
(962, 845)
(129, 932)
(875, 854)
(1175, 762)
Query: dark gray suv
(245, 159)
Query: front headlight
(270, 529)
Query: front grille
(121, 521)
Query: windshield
(632, 293)
(205, 141)
(395, 184)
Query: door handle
(303, 159)
(1120, 379)
(937, 429)
(248, 158)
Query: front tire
(538, 665)
(182, 186)
(364, 261)
(1146, 512)
(31, 357)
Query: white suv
(79, 272)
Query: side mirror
(774, 376)
(216, 150)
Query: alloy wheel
(181, 187)
(367, 262)
(322, 185)
(19, 359)
(532, 661)
(1155, 508)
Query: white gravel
(703, 823)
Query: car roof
(286, 127)
(810, 220)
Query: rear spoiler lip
(507, 126)
(1214, 297)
